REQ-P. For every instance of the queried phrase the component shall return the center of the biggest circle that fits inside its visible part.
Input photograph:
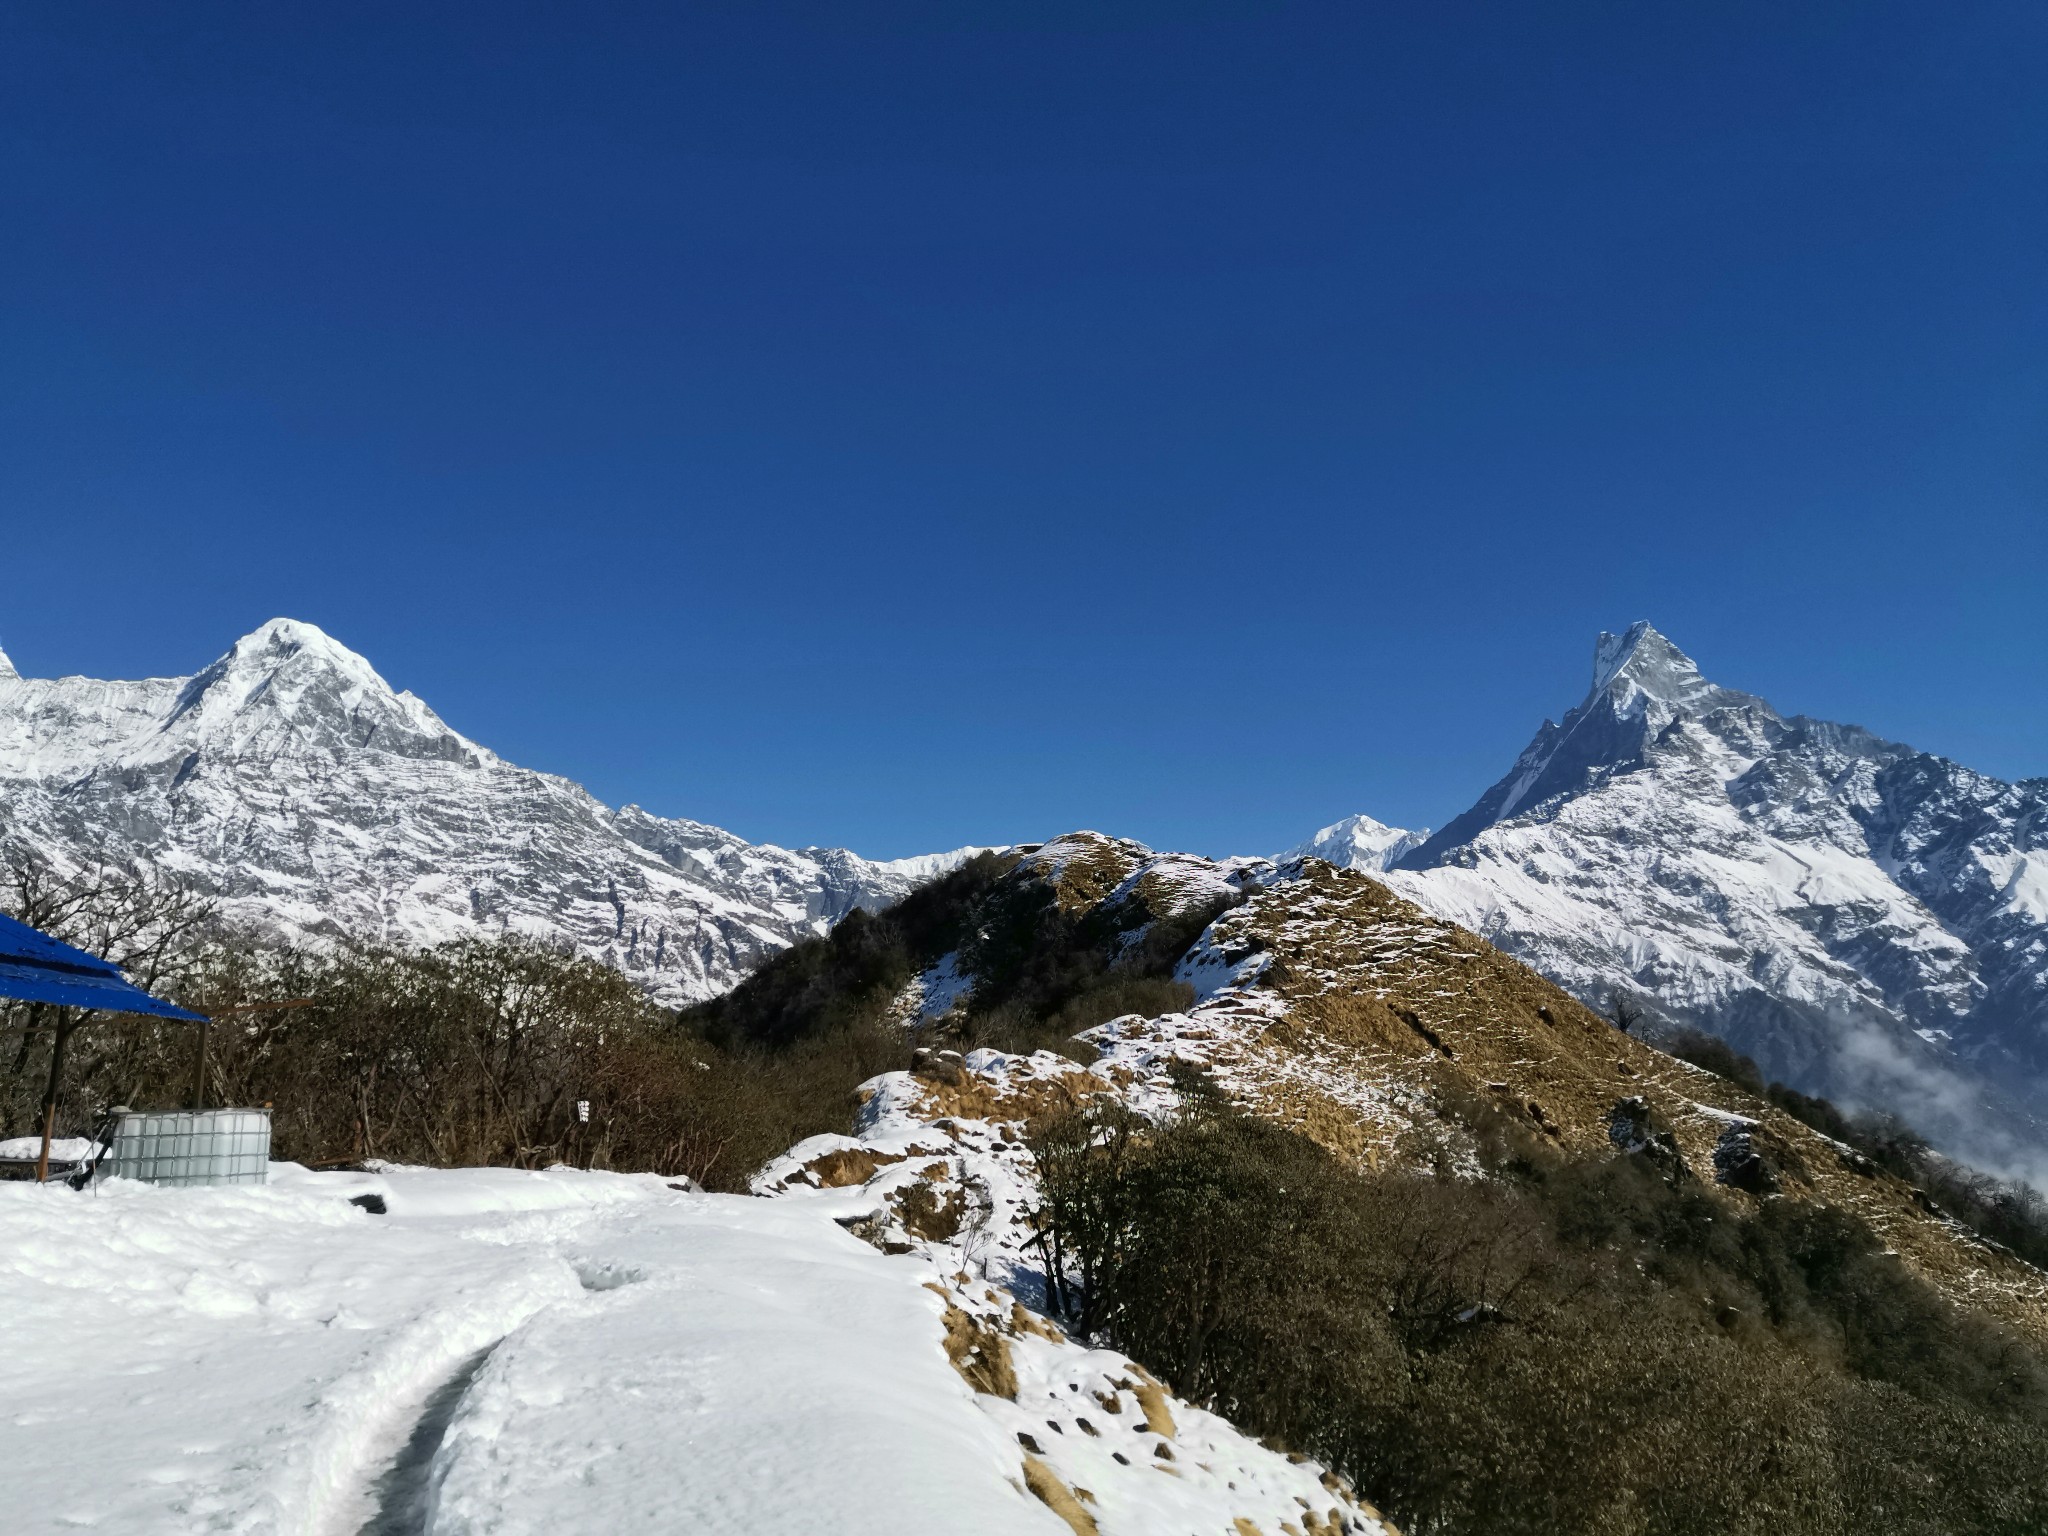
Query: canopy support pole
(199, 1067)
(50, 1094)
(28, 1036)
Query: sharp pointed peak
(1642, 660)
(1639, 648)
(279, 649)
(1365, 829)
(7, 668)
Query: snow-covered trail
(253, 1360)
(775, 1376)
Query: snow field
(252, 1360)
(229, 1359)
(751, 1368)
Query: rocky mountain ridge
(1432, 1070)
(1321, 1000)
(314, 800)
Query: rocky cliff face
(1869, 921)
(292, 781)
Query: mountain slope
(1320, 999)
(314, 800)
(1475, 1106)
(1870, 922)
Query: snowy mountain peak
(1848, 910)
(7, 667)
(1359, 842)
(290, 689)
(282, 639)
(289, 780)
(1641, 684)
(289, 646)
(1643, 657)
(1641, 664)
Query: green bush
(473, 1052)
(1042, 974)
(843, 980)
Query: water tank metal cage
(189, 1146)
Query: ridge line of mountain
(1868, 921)
(291, 781)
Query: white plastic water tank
(182, 1146)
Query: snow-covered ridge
(289, 778)
(1867, 920)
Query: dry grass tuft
(1023, 1321)
(1027, 1097)
(1152, 1402)
(1057, 1497)
(977, 1351)
(924, 1215)
(847, 1166)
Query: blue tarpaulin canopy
(36, 968)
(39, 969)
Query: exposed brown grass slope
(1377, 990)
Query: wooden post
(199, 1067)
(50, 1096)
(28, 1036)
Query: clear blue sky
(905, 425)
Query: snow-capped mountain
(313, 799)
(1868, 921)
(1358, 842)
